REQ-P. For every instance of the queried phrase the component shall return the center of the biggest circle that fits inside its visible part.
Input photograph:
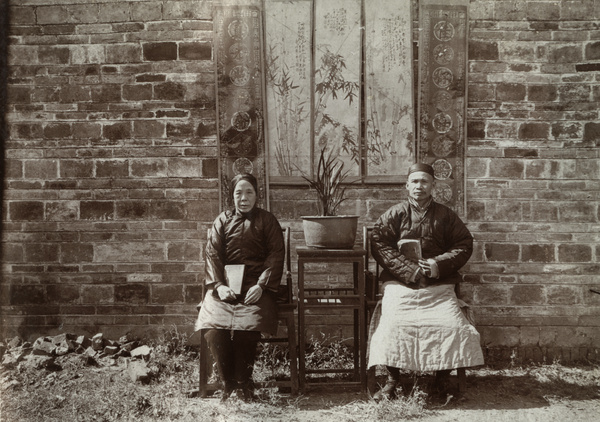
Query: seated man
(418, 325)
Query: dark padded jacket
(254, 239)
(443, 236)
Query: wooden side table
(334, 298)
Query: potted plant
(328, 230)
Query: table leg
(301, 329)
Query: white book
(234, 276)
(410, 248)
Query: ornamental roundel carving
(240, 75)
(242, 165)
(443, 54)
(443, 31)
(241, 121)
(238, 53)
(238, 30)
(442, 122)
(443, 100)
(442, 77)
(442, 145)
(442, 193)
(442, 169)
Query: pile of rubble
(49, 352)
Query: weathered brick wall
(111, 171)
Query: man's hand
(429, 268)
(225, 293)
(253, 295)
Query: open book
(410, 248)
(234, 276)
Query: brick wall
(111, 172)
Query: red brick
(160, 51)
(41, 252)
(112, 168)
(62, 211)
(123, 53)
(146, 11)
(574, 253)
(41, 169)
(563, 295)
(106, 93)
(534, 131)
(26, 210)
(483, 50)
(132, 293)
(148, 129)
(76, 168)
(51, 15)
(113, 12)
(63, 294)
(568, 54)
(74, 93)
(527, 295)
(576, 212)
(156, 167)
(506, 168)
(163, 294)
(97, 294)
(502, 252)
(96, 210)
(541, 93)
(195, 51)
(183, 252)
(150, 78)
(53, 55)
(169, 91)
(137, 92)
(27, 295)
(537, 253)
(121, 130)
(180, 130)
(71, 253)
(510, 92)
(22, 15)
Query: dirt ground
(106, 392)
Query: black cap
(421, 167)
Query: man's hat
(421, 167)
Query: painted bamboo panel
(288, 33)
(390, 132)
(337, 63)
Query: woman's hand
(253, 295)
(225, 293)
(429, 268)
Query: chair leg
(293, 347)
(203, 362)
(462, 380)
(371, 380)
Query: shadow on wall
(4, 19)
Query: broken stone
(39, 362)
(98, 341)
(14, 342)
(62, 338)
(43, 346)
(90, 351)
(83, 341)
(2, 350)
(129, 346)
(9, 361)
(110, 350)
(61, 351)
(138, 372)
(142, 351)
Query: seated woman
(250, 236)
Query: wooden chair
(373, 297)
(285, 313)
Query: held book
(410, 248)
(234, 275)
